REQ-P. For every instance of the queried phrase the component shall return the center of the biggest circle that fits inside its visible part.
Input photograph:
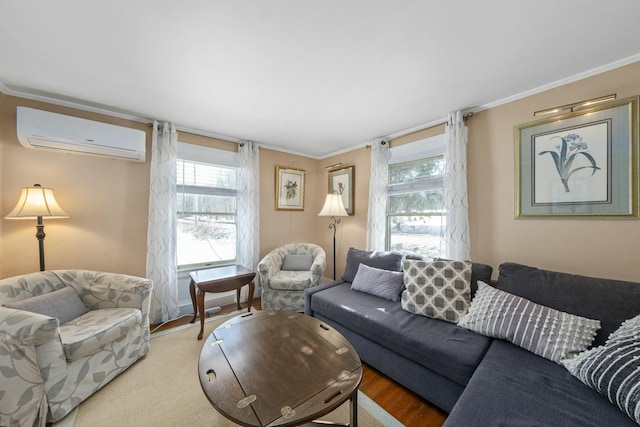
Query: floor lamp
(333, 207)
(36, 203)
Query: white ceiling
(309, 77)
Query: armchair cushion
(63, 304)
(93, 331)
(290, 280)
(296, 262)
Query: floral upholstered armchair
(63, 335)
(287, 271)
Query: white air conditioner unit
(51, 131)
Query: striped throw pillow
(544, 331)
(613, 369)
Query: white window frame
(216, 157)
(415, 151)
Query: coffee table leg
(192, 292)
(201, 311)
(353, 416)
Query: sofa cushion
(290, 280)
(91, 332)
(64, 304)
(547, 332)
(375, 281)
(513, 387)
(442, 347)
(610, 301)
(383, 260)
(438, 289)
(613, 369)
(293, 262)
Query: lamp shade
(37, 201)
(333, 206)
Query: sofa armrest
(309, 292)
(26, 372)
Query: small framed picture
(582, 164)
(341, 182)
(289, 189)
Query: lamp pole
(40, 236)
(333, 226)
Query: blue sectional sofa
(478, 380)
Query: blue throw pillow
(297, 263)
(63, 304)
(381, 283)
(383, 260)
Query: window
(206, 206)
(415, 205)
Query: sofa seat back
(93, 331)
(607, 300)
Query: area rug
(163, 389)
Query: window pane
(206, 238)
(190, 203)
(418, 170)
(205, 175)
(417, 202)
(421, 234)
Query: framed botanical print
(289, 189)
(582, 164)
(341, 182)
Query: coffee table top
(277, 368)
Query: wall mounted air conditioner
(51, 131)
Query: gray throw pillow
(437, 289)
(613, 369)
(383, 260)
(544, 331)
(381, 283)
(63, 304)
(297, 262)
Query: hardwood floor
(404, 405)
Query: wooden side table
(218, 279)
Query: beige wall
(280, 227)
(107, 199)
(606, 248)
(351, 232)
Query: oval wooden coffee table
(278, 368)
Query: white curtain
(377, 216)
(248, 235)
(456, 235)
(161, 233)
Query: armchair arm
(269, 266)
(24, 369)
(318, 267)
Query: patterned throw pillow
(613, 369)
(438, 289)
(544, 331)
(375, 281)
